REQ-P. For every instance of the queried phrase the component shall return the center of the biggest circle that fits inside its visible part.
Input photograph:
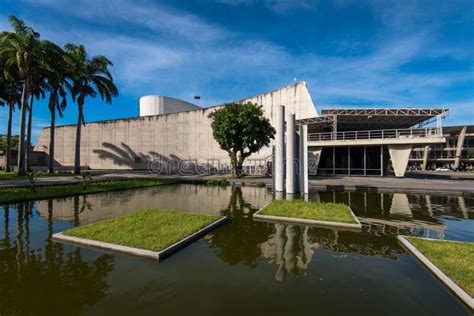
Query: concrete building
(174, 136)
(169, 136)
(456, 153)
(357, 142)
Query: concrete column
(303, 159)
(278, 195)
(399, 155)
(279, 175)
(314, 156)
(290, 153)
(426, 154)
(460, 143)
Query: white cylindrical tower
(157, 104)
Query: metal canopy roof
(373, 118)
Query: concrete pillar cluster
(290, 158)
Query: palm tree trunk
(52, 109)
(9, 137)
(28, 135)
(21, 141)
(77, 153)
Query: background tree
(241, 130)
(91, 76)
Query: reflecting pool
(244, 267)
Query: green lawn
(332, 212)
(152, 230)
(13, 175)
(9, 195)
(455, 259)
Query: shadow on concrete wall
(125, 156)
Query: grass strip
(19, 194)
(153, 230)
(14, 176)
(331, 212)
(455, 259)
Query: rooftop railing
(377, 134)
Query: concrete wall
(135, 142)
(156, 105)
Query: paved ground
(458, 183)
(395, 184)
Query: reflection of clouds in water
(289, 248)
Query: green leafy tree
(241, 130)
(91, 76)
(13, 142)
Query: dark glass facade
(357, 160)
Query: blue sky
(351, 52)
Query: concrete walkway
(408, 184)
(395, 184)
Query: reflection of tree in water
(46, 281)
(238, 241)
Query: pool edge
(446, 280)
(157, 255)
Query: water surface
(244, 267)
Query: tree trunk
(77, 153)
(8, 156)
(52, 109)
(28, 135)
(233, 163)
(239, 165)
(21, 141)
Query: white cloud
(155, 17)
(178, 53)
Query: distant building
(456, 153)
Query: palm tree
(36, 92)
(9, 96)
(57, 72)
(23, 51)
(91, 76)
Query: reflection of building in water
(400, 205)
(401, 213)
(398, 227)
(190, 198)
(289, 248)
